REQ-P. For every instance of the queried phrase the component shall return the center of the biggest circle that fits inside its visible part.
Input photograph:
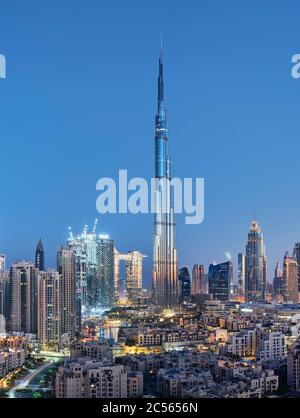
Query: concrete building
(86, 378)
(23, 297)
(94, 350)
(135, 384)
(50, 311)
(271, 346)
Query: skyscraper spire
(40, 256)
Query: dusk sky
(79, 103)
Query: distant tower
(296, 255)
(290, 277)
(220, 280)
(40, 256)
(50, 311)
(241, 274)
(66, 266)
(197, 275)
(184, 282)
(278, 282)
(105, 254)
(23, 297)
(255, 274)
(2, 262)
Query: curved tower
(40, 256)
(164, 275)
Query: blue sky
(79, 103)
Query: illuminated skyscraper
(290, 277)
(84, 247)
(2, 262)
(278, 283)
(255, 274)
(40, 256)
(184, 282)
(164, 275)
(220, 280)
(66, 268)
(197, 276)
(4, 281)
(50, 310)
(296, 255)
(241, 274)
(104, 286)
(133, 276)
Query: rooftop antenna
(161, 44)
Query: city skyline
(164, 295)
(231, 110)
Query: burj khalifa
(164, 274)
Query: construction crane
(95, 226)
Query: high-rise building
(278, 283)
(220, 280)
(255, 274)
(2, 262)
(133, 275)
(241, 274)
(104, 289)
(84, 246)
(296, 255)
(290, 278)
(197, 276)
(3, 287)
(50, 311)
(94, 267)
(164, 274)
(4, 294)
(204, 283)
(66, 268)
(23, 297)
(184, 282)
(40, 256)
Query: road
(26, 381)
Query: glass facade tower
(164, 274)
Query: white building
(271, 346)
(90, 379)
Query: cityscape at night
(200, 306)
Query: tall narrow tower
(164, 275)
(40, 256)
(255, 262)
